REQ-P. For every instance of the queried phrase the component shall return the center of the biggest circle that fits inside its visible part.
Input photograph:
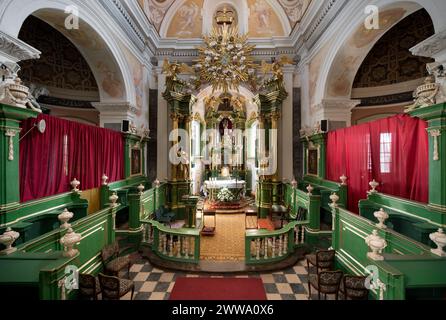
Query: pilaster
(436, 118)
(10, 118)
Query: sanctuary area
(223, 150)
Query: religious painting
(187, 22)
(263, 21)
(312, 161)
(136, 163)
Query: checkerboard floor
(155, 284)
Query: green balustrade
(179, 245)
(262, 246)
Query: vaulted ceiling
(263, 18)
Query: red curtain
(67, 150)
(393, 151)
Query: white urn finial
(7, 239)
(377, 244)
(64, 217)
(104, 179)
(310, 190)
(75, 184)
(439, 238)
(157, 183)
(113, 200)
(294, 182)
(374, 185)
(334, 199)
(141, 189)
(382, 216)
(343, 179)
(68, 241)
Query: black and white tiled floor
(155, 284)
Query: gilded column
(175, 117)
(275, 116)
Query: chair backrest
(87, 285)
(354, 287)
(109, 251)
(329, 281)
(325, 259)
(109, 287)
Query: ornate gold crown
(224, 16)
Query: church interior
(223, 149)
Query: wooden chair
(353, 288)
(326, 282)
(89, 286)
(112, 262)
(114, 288)
(321, 260)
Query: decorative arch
(93, 39)
(344, 58)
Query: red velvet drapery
(67, 150)
(393, 151)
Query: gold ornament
(225, 61)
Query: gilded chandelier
(225, 60)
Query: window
(385, 152)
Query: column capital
(335, 110)
(115, 112)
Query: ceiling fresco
(189, 16)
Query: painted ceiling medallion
(225, 60)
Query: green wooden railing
(263, 246)
(403, 257)
(180, 245)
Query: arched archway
(93, 39)
(342, 58)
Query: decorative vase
(157, 183)
(294, 183)
(104, 180)
(374, 185)
(75, 184)
(68, 241)
(439, 238)
(113, 200)
(7, 239)
(64, 217)
(382, 216)
(377, 244)
(343, 179)
(334, 199)
(141, 189)
(19, 92)
(310, 189)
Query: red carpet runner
(218, 289)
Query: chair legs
(309, 290)
(133, 291)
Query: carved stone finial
(113, 200)
(141, 189)
(439, 238)
(377, 244)
(334, 199)
(343, 179)
(374, 185)
(69, 241)
(310, 190)
(75, 184)
(104, 179)
(7, 239)
(382, 216)
(64, 217)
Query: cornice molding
(15, 49)
(431, 46)
(136, 25)
(118, 107)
